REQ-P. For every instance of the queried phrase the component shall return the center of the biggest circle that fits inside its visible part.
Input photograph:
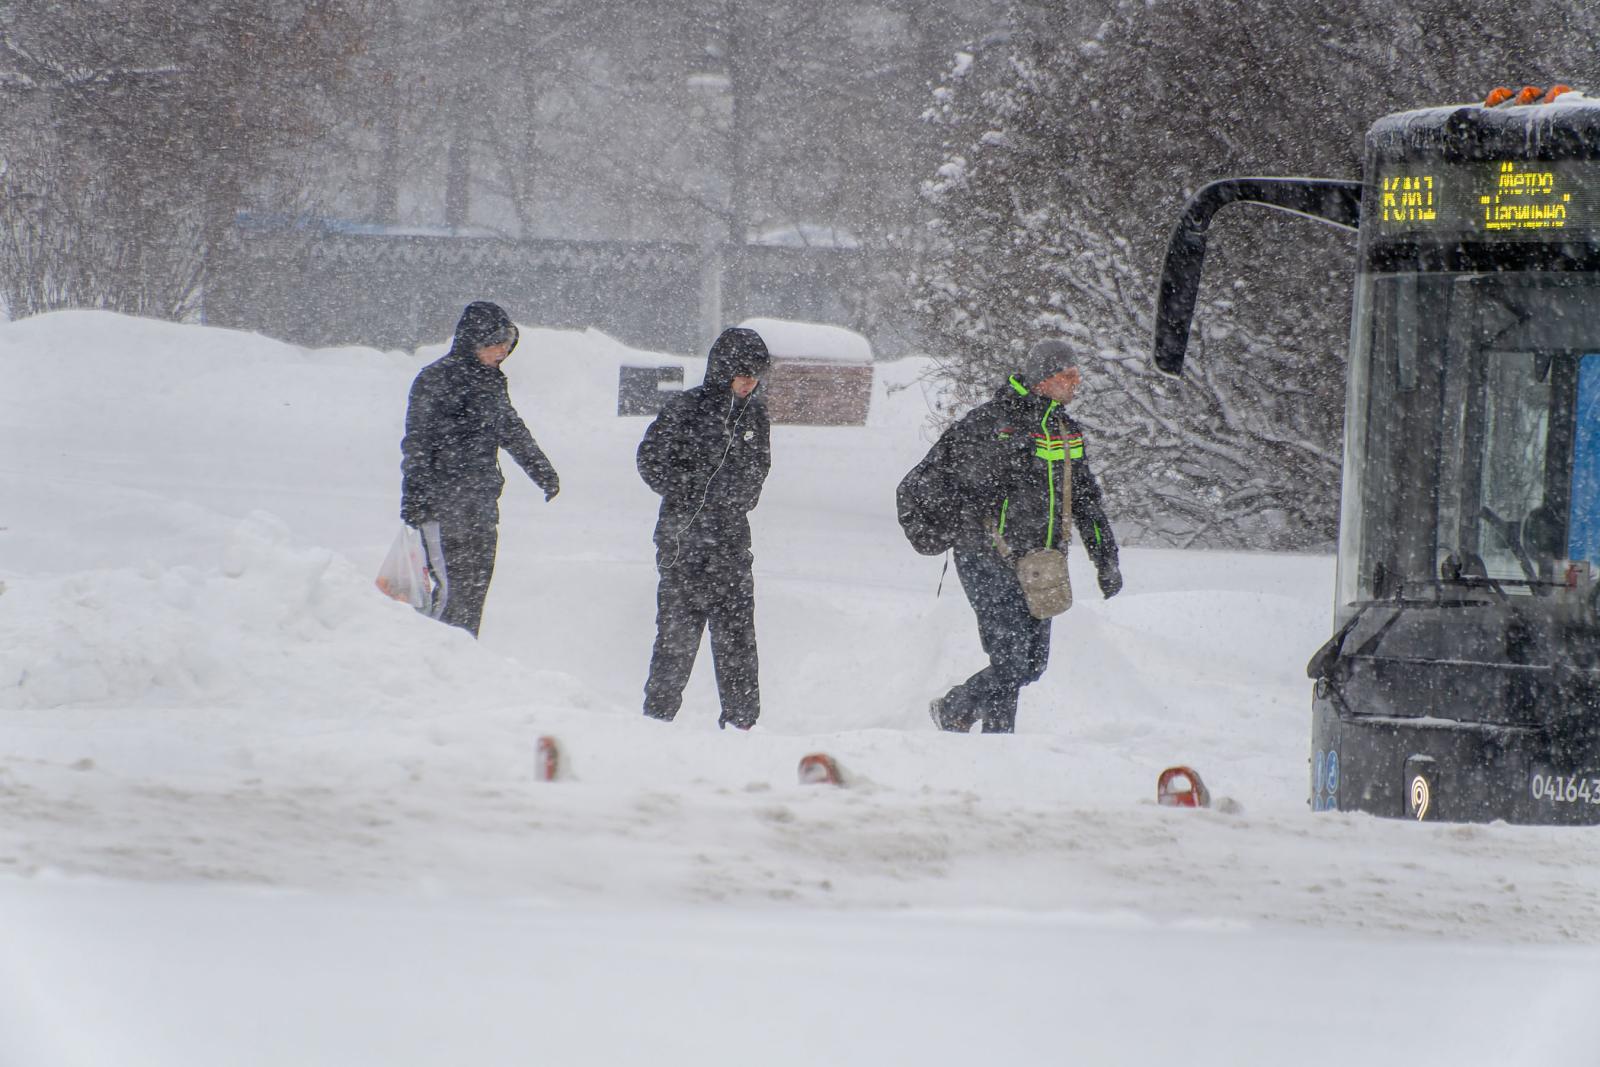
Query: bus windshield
(1473, 435)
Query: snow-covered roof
(816, 341)
(709, 81)
(1515, 128)
(805, 235)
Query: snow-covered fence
(328, 282)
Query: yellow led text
(1408, 198)
(1525, 200)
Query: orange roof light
(1497, 96)
(1554, 92)
(1530, 95)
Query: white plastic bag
(405, 574)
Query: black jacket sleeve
(659, 458)
(516, 439)
(418, 478)
(1089, 514)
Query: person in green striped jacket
(1008, 479)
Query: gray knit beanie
(1044, 359)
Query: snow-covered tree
(1024, 243)
(1071, 142)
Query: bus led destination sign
(1508, 200)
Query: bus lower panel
(1449, 771)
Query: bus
(1462, 678)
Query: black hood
(738, 352)
(482, 324)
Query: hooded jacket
(459, 417)
(707, 455)
(1001, 472)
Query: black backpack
(929, 518)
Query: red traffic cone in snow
(548, 763)
(1181, 787)
(819, 769)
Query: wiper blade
(1321, 665)
(1464, 581)
(1322, 662)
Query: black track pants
(692, 595)
(463, 573)
(1017, 643)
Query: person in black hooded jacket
(458, 418)
(999, 478)
(707, 455)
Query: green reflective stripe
(1003, 505)
(1022, 390)
(1051, 452)
(1097, 537)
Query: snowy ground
(252, 812)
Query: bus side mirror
(1337, 203)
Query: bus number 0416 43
(1566, 789)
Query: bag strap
(1067, 518)
(1066, 470)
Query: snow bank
(267, 625)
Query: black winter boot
(938, 708)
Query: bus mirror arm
(1324, 199)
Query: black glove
(552, 489)
(413, 514)
(1110, 581)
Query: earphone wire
(705, 494)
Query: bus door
(1583, 535)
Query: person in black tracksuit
(707, 454)
(458, 418)
(1000, 471)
